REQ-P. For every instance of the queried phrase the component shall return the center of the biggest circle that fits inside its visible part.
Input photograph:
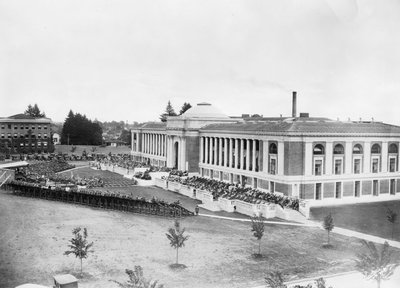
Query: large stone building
(25, 134)
(305, 157)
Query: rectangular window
(375, 188)
(39, 135)
(318, 167)
(2, 135)
(272, 166)
(8, 135)
(338, 166)
(21, 127)
(39, 127)
(27, 127)
(45, 135)
(45, 144)
(21, 144)
(15, 135)
(338, 190)
(33, 127)
(318, 191)
(9, 126)
(392, 164)
(375, 165)
(3, 127)
(44, 127)
(392, 188)
(272, 187)
(357, 189)
(357, 166)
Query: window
(318, 191)
(9, 126)
(357, 149)
(33, 127)
(272, 165)
(375, 165)
(45, 144)
(376, 149)
(273, 149)
(318, 167)
(393, 149)
(338, 166)
(27, 127)
(392, 164)
(357, 166)
(375, 188)
(392, 188)
(8, 135)
(357, 189)
(272, 187)
(39, 135)
(21, 127)
(338, 149)
(21, 144)
(44, 127)
(39, 127)
(319, 150)
(2, 135)
(45, 135)
(338, 190)
(3, 127)
(15, 135)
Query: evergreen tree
(169, 111)
(79, 245)
(78, 130)
(185, 107)
(34, 111)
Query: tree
(79, 245)
(34, 111)
(169, 111)
(391, 216)
(375, 264)
(257, 227)
(185, 107)
(78, 130)
(328, 226)
(126, 136)
(176, 237)
(137, 280)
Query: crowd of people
(43, 170)
(89, 182)
(235, 191)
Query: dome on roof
(204, 110)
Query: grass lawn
(34, 234)
(88, 148)
(369, 218)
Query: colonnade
(239, 153)
(151, 143)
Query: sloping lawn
(369, 218)
(34, 234)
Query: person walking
(196, 209)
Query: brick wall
(294, 158)
(366, 187)
(193, 153)
(329, 190)
(307, 191)
(384, 186)
(348, 188)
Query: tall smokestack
(294, 104)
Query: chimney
(294, 104)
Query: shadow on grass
(177, 267)
(327, 246)
(259, 257)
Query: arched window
(357, 149)
(376, 149)
(338, 149)
(273, 149)
(393, 148)
(319, 149)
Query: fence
(99, 200)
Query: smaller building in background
(25, 134)
(56, 139)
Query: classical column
(308, 159)
(241, 154)
(145, 142)
(201, 149)
(265, 156)
(384, 156)
(236, 152)
(206, 151)
(216, 150)
(281, 157)
(248, 154)
(142, 147)
(225, 152)
(254, 154)
(367, 157)
(329, 158)
(230, 152)
(348, 157)
(220, 152)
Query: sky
(123, 60)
